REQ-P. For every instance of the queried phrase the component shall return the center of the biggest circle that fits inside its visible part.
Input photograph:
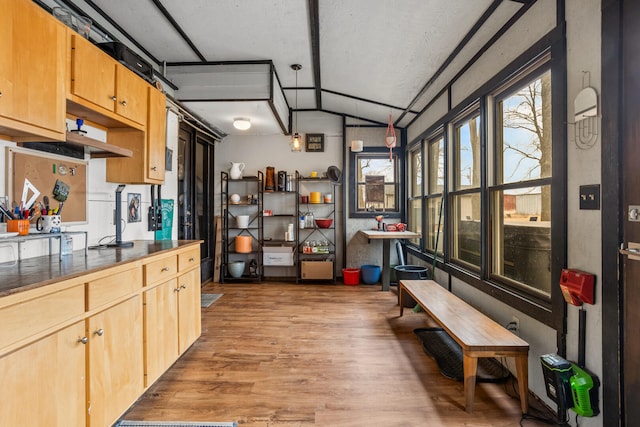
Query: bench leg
(470, 365)
(400, 299)
(522, 370)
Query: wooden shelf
(97, 149)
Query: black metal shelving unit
(251, 185)
(314, 233)
(283, 209)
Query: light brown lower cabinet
(66, 367)
(43, 384)
(161, 329)
(189, 324)
(172, 314)
(115, 359)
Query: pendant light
(357, 145)
(296, 141)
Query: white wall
(584, 248)
(100, 203)
(258, 152)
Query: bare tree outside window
(522, 211)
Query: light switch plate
(590, 197)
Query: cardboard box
(317, 269)
(277, 255)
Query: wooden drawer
(160, 270)
(189, 259)
(31, 316)
(105, 290)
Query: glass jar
(308, 220)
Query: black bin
(411, 272)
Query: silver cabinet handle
(99, 332)
(154, 168)
(0, 93)
(192, 259)
(83, 340)
(183, 287)
(176, 290)
(123, 103)
(113, 98)
(165, 269)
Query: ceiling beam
(314, 30)
(368, 101)
(178, 28)
(476, 27)
(113, 23)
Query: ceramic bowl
(323, 222)
(236, 268)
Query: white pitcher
(236, 170)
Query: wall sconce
(357, 146)
(241, 123)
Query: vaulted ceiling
(360, 58)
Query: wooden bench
(478, 335)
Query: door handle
(632, 251)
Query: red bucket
(351, 276)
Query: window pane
(436, 166)
(433, 210)
(466, 228)
(467, 143)
(377, 183)
(415, 173)
(524, 131)
(522, 237)
(415, 218)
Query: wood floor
(285, 355)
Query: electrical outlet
(516, 325)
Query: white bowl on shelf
(236, 268)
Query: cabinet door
(156, 134)
(161, 329)
(32, 67)
(43, 384)
(93, 74)
(189, 309)
(131, 94)
(115, 361)
(7, 55)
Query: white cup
(48, 224)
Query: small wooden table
(386, 237)
(478, 335)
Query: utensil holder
(19, 225)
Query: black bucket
(411, 272)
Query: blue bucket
(370, 274)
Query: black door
(195, 193)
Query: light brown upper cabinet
(101, 84)
(147, 166)
(32, 73)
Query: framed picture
(133, 207)
(315, 142)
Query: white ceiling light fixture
(296, 142)
(241, 123)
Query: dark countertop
(31, 273)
